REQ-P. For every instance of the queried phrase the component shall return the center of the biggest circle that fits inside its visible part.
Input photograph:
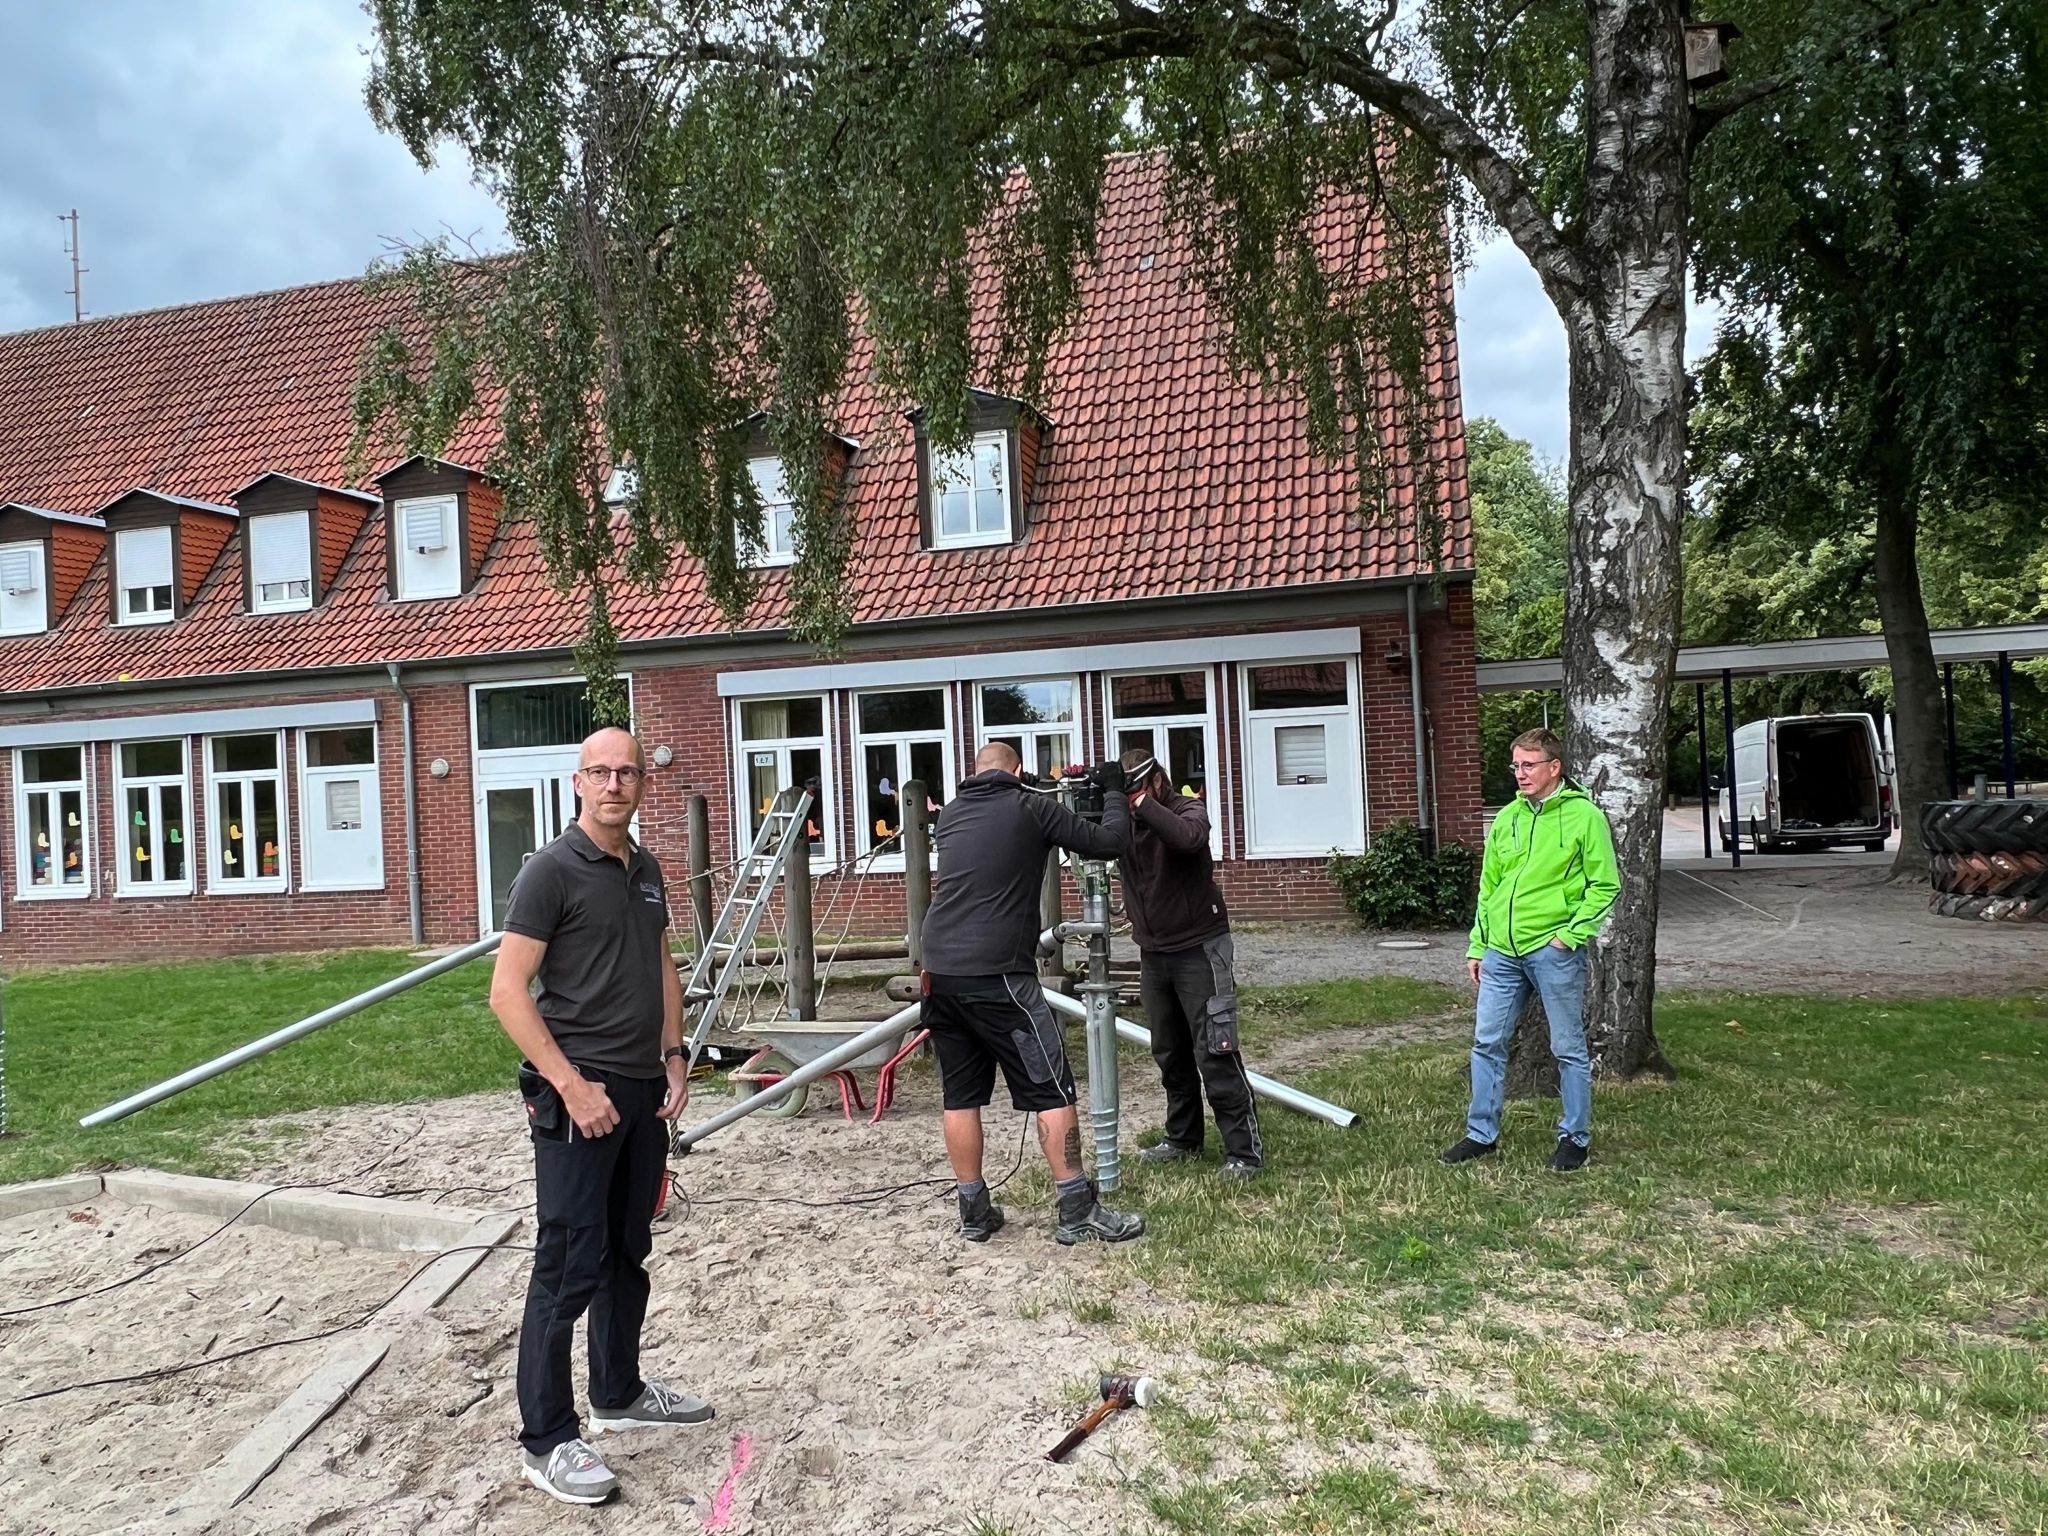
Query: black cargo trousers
(593, 1220)
(1190, 999)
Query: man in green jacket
(1545, 887)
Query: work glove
(1110, 776)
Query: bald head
(611, 748)
(997, 756)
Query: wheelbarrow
(794, 1042)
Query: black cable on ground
(186, 1252)
(163, 1371)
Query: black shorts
(981, 1022)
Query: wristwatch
(675, 1050)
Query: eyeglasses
(627, 777)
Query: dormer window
(429, 559)
(23, 605)
(280, 562)
(143, 575)
(778, 512)
(971, 490)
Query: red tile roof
(1165, 475)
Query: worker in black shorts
(605, 1067)
(981, 997)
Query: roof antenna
(77, 288)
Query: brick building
(247, 704)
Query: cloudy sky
(215, 147)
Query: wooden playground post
(796, 915)
(699, 815)
(917, 867)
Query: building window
(245, 786)
(1169, 714)
(23, 606)
(783, 744)
(152, 796)
(521, 716)
(898, 736)
(429, 559)
(142, 562)
(1036, 720)
(1302, 788)
(341, 832)
(971, 494)
(52, 822)
(280, 562)
(778, 512)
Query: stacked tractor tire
(1989, 858)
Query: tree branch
(1731, 99)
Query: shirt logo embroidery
(651, 892)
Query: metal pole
(698, 814)
(1728, 767)
(809, 1072)
(2005, 719)
(1706, 808)
(1265, 1087)
(1422, 797)
(1099, 1009)
(291, 1032)
(917, 868)
(802, 949)
(1948, 707)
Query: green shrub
(1397, 883)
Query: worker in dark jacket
(1187, 980)
(982, 1001)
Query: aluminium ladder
(753, 887)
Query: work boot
(1083, 1216)
(571, 1472)
(1167, 1152)
(980, 1217)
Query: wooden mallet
(1117, 1392)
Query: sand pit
(96, 1459)
(872, 1373)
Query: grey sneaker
(1236, 1168)
(571, 1472)
(980, 1218)
(657, 1407)
(1084, 1217)
(1167, 1152)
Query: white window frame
(419, 579)
(87, 815)
(825, 851)
(26, 613)
(766, 469)
(127, 612)
(312, 785)
(124, 883)
(1356, 714)
(288, 601)
(1212, 684)
(945, 472)
(1074, 730)
(902, 741)
(218, 882)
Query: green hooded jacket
(1549, 872)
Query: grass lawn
(79, 1038)
(1799, 1289)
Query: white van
(1806, 782)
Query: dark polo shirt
(606, 928)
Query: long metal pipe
(1423, 795)
(412, 813)
(291, 1032)
(1265, 1087)
(1099, 1008)
(809, 1072)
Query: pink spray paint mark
(721, 1504)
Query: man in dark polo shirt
(982, 1001)
(605, 1067)
(1187, 976)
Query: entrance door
(1302, 793)
(518, 813)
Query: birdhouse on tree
(1706, 52)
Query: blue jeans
(1559, 979)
